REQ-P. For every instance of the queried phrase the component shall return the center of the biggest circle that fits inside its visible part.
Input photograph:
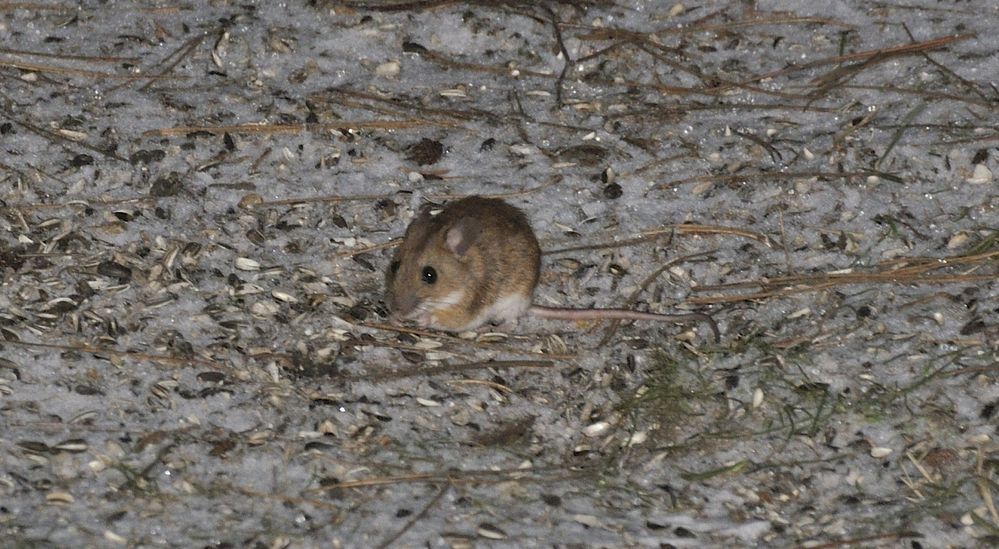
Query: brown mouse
(478, 261)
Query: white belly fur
(508, 308)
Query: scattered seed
(613, 191)
(112, 269)
(389, 69)
(805, 311)
(489, 531)
(247, 264)
(169, 258)
(427, 344)
(596, 429)
(59, 498)
(283, 296)
(958, 240)
(981, 175)
(143, 156)
(72, 446)
(72, 135)
(60, 305)
(83, 417)
(250, 201)
(34, 447)
(880, 452)
(160, 301)
(167, 185)
(124, 215)
(265, 308)
(587, 520)
(249, 289)
(638, 438)
(259, 437)
(425, 152)
(211, 377)
(162, 389)
(115, 538)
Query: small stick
(269, 129)
(418, 516)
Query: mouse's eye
(394, 267)
(429, 275)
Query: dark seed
(613, 191)
(11, 259)
(81, 160)
(976, 325)
(34, 447)
(989, 410)
(359, 312)
(316, 445)
(255, 236)
(339, 221)
(211, 377)
(87, 390)
(731, 381)
(316, 402)
(584, 155)
(114, 270)
(146, 157)
(364, 261)
(425, 153)
(167, 185)
(682, 532)
(413, 47)
(326, 482)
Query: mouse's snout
(400, 307)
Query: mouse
(478, 261)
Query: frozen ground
(199, 200)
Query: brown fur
(496, 255)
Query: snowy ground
(199, 199)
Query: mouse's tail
(563, 313)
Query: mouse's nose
(401, 306)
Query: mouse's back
(475, 261)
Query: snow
(274, 406)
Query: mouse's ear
(420, 226)
(461, 236)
